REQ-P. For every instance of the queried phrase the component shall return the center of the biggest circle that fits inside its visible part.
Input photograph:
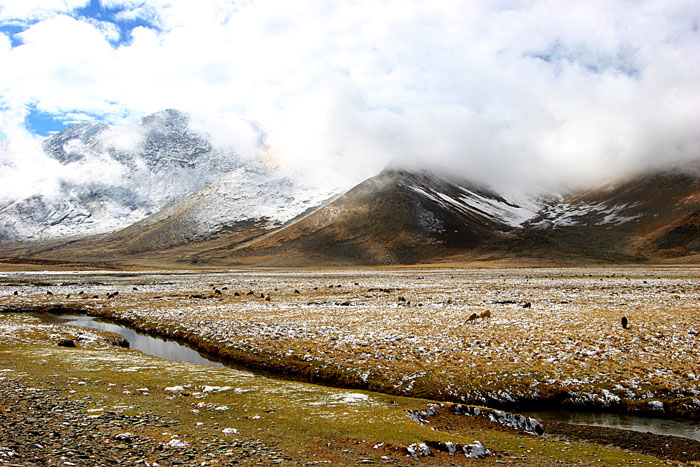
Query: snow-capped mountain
(161, 191)
(396, 217)
(474, 201)
(111, 177)
(250, 200)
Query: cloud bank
(503, 92)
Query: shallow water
(166, 349)
(171, 350)
(659, 426)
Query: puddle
(161, 348)
(659, 426)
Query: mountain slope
(111, 177)
(397, 217)
(651, 216)
(256, 216)
(243, 204)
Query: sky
(503, 92)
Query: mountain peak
(62, 146)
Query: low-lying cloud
(508, 93)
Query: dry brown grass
(568, 348)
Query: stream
(166, 349)
(171, 350)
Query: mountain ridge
(176, 199)
(410, 218)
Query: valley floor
(553, 338)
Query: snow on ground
(569, 337)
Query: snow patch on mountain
(582, 213)
(112, 176)
(472, 202)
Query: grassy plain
(400, 332)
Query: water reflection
(168, 350)
(659, 426)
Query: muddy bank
(661, 446)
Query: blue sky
(501, 91)
(45, 123)
(97, 11)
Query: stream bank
(625, 430)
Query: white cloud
(504, 92)
(32, 10)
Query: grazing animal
(236, 294)
(401, 298)
(624, 322)
(296, 291)
(48, 292)
(16, 293)
(134, 288)
(217, 291)
(267, 298)
(485, 314)
(472, 317)
(527, 305)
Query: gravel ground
(42, 427)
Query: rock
(624, 322)
(67, 343)
(476, 450)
